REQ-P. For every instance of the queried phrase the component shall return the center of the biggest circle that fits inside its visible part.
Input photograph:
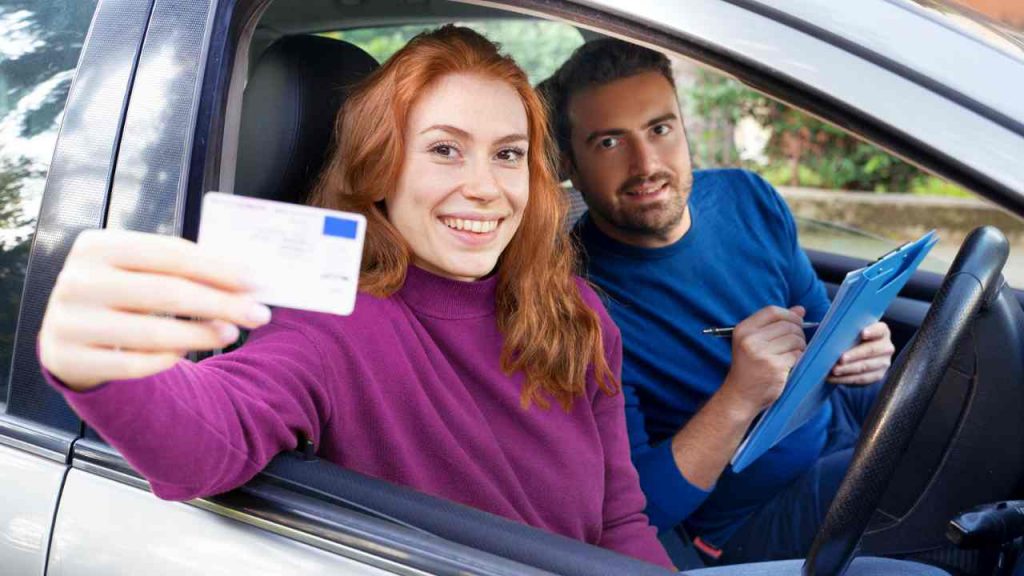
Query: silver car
(158, 102)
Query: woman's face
(464, 181)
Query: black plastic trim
(204, 162)
(76, 194)
(267, 500)
(877, 59)
(51, 443)
(104, 456)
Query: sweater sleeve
(198, 429)
(671, 498)
(626, 528)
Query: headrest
(288, 114)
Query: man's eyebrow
(662, 118)
(600, 133)
(620, 131)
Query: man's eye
(662, 129)
(608, 142)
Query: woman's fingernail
(228, 332)
(258, 314)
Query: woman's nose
(481, 183)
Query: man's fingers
(140, 332)
(781, 329)
(876, 331)
(785, 345)
(862, 366)
(766, 316)
(155, 293)
(859, 379)
(167, 255)
(867, 350)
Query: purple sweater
(407, 389)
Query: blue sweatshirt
(739, 255)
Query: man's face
(631, 160)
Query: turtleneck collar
(440, 297)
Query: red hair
(551, 335)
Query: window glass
(40, 41)
(538, 47)
(849, 197)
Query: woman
(469, 323)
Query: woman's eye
(608, 142)
(662, 129)
(445, 150)
(512, 155)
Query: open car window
(849, 196)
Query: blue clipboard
(861, 300)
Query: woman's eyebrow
(450, 129)
(512, 138)
(463, 134)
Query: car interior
(959, 366)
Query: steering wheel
(973, 280)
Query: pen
(726, 332)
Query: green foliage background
(802, 150)
(538, 47)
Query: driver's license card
(296, 256)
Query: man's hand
(866, 362)
(765, 347)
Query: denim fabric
(786, 525)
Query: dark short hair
(596, 63)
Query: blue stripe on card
(340, 227)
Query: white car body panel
(106, 528)
(29, 486)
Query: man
(677, 251)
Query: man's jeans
(786, 525)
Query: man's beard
(655, 219)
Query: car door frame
(37, 429)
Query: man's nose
(644, 158)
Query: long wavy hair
(551, 335)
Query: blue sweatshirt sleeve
(671, 498)
(805, 289)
